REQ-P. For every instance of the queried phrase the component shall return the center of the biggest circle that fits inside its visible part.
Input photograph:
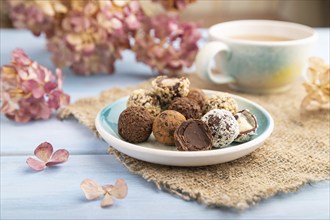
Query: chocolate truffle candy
(165, 124)
(135, 124)
(187, 107)
(223, 125)
(247, 124)
(193, 135)
(224, 101)
(198, 96)
(168, 88)
(145, 98)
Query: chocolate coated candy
(193, 135)
(135, 124)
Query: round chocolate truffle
(169, 88)
(224, 101)
(198, 96)
(193, 135)
(144, 98)
(187, 107)
(165, 124)
(223, 125)
(135, 124)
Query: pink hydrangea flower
(89, 36)
(30, 91)
(93, 190)
(166, 44)
(44, 152)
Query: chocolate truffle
(145, 98)
(187, 107)
(198, 96)
(193, 135)
(169, 88)
(247, 124)
(135, 124)
(223, 125)
(224, 101)
(165, 124)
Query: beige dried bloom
(317, 85)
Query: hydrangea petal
(91, 189)
(60, 156)
(120, 189)
(107, 200)
(35, 164)
(44, 151)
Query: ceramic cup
(256, 56)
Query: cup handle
(203, 61)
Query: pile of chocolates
(184, 117)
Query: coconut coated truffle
(145, 98)
(223, 125)
(165, 124)
(135, 124)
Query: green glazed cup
(256, 56)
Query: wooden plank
(55, 194)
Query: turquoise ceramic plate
(151, 151)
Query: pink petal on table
(91, 189)
(44, 151)
(35, 164)
(120, 189)
(107, 200)
(60, 156)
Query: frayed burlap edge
(296, 153)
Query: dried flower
(166, 44)
(30, 91)
(45, 153)
(174, 4)
(317, 85)
(93, 190)
(89, 36)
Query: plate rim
(161, 152)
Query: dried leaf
(91, 189)
(35, 164)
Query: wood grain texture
(55, 194)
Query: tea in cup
(256, 56)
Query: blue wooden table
(55, 192)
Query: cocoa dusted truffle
(193, 135)
(223, 125)
(169, 88)
(165, 124)
(145, 98)
(224, 101)
(198, 96)
(187, 107)
(135, 124)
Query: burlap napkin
(296, 153)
